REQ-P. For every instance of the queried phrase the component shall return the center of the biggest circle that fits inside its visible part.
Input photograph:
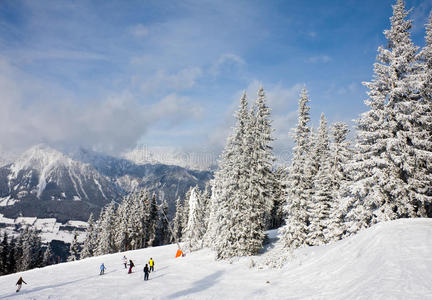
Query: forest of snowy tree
(333, 187)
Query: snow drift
(388, 261)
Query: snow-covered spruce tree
(89, 245)
(206, 196)
(257, 177)
(195, 229)
(12, 257)
(422, 128)
(74, 252)
(185, 212)
(136, 213)
(262, 162)
(121, 235)
(106, 243)
(177, 222)
(225, 187)
(4, 254)
(280, 194)
(48, 256)
(295, 231)
(153, 221)
(385, 160)
(340, 156)
(163, 231)
(321, 204)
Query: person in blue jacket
(102, 269)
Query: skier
(131, 265)
(102, 269)
(151, 263)
(146, 272)
(125, 261)
(19, 284)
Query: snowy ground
(389, 261)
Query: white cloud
(161, 80)
(111, 124)
(226, 63)
(175, 109)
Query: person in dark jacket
(131, 265)
(146, 272)
(19, 284)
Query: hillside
(388, 261)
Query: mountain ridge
(44, 182)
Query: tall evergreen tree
(385, 162)
(163, 231)
(106, 242)
(295, 231)
(340, 157)
(90, 241)
(225, 190)
(280, 194)
(185, 212)
(4, 254)
(177, 222)
(195, 229)
(12, 257)
(74, 252)
(48, 255)
(322, 198)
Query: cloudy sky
(109, 75)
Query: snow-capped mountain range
(44, 182)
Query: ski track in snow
(388, 261)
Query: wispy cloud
(226, 62)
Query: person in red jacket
(19, 284)
(131, 265)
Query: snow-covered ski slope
(388, 261)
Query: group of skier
(147, 268)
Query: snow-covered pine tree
(340, 156)
(385, 160)
(280, 195)
(422, 130)
(153, 221)
(137, 213)
(206, 196)
(256, 164)
(4, 254)
(122, 234)
(320, 209)
(163, 232)
(74, 252)
(177, 222)
(225, 187)
(48, 255)
(195, 229)
(12, 257)
(106, 244)
(89, 245)
(25, 254)
(295, 231)
(185, 212)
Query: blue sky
(110, 74)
